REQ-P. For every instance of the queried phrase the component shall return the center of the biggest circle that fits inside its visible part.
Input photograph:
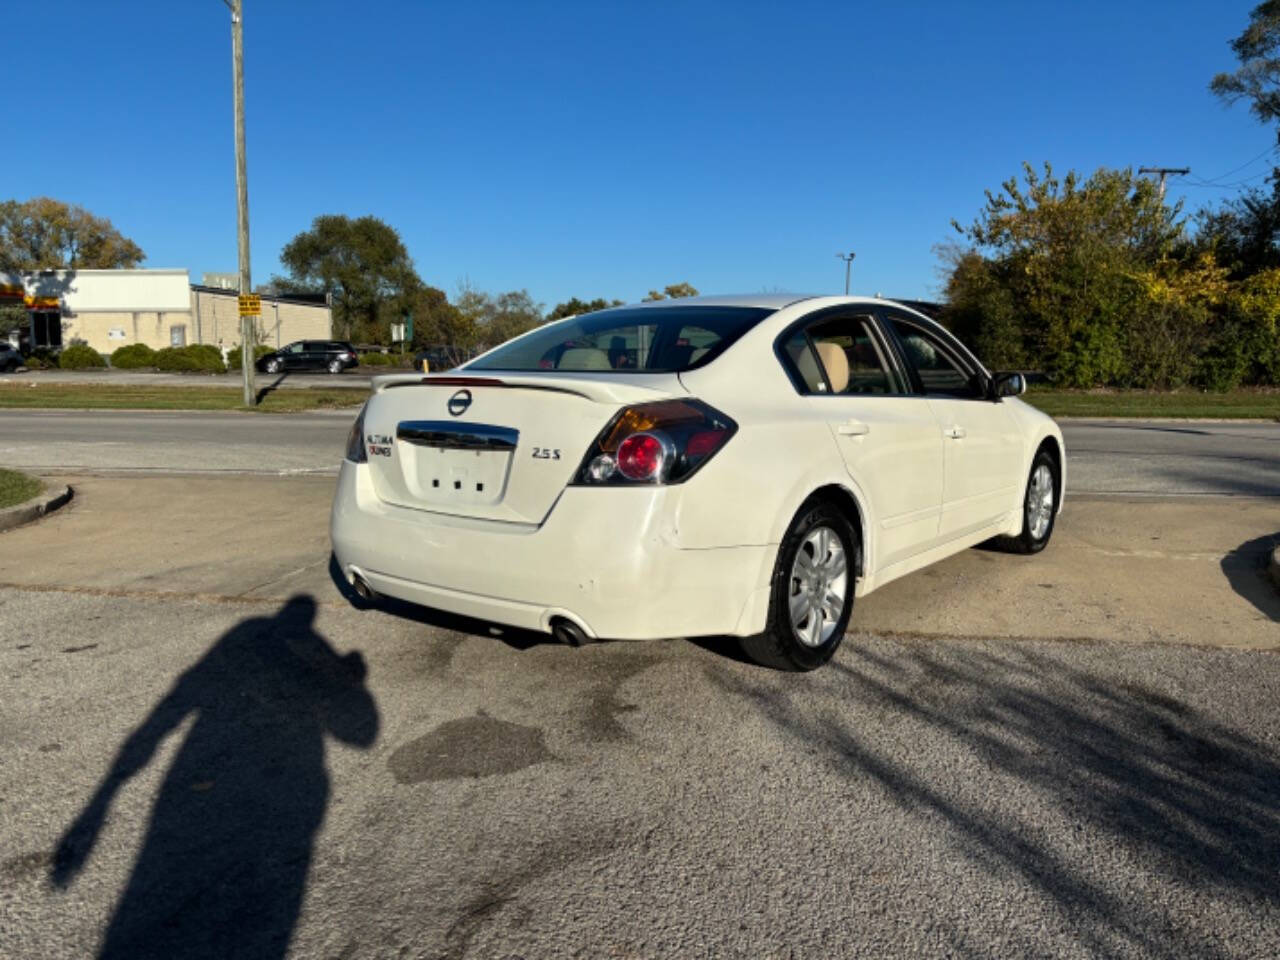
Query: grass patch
(1256, 404)
(17, 488)
(64, 396)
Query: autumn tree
(1052, 261)
(497, 318)
(47, 234)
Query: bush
(194, 358)
(133, 356)
(233, 355)
(41, 358)
(80, 356)
(379, 360)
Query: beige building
(108, 309)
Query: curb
(1273, 567)
(35, 508)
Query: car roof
(773, 301)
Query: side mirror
(1007, 384)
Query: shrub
(233, 355)
(80, 356)
(378, 360)
(34, 362)
(194, 358)
(133, 356)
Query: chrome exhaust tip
(566, 631)
(362, 589)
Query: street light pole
(247, 332)
(848, 262)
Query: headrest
(836, 363)
(584, 358)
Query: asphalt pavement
(255, 779)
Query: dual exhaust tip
(562, 628)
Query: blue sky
(602, 149)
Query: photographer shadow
(223, 866)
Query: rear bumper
(605, 559)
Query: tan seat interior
(836, 363)
(584, 358)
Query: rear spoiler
(589, 388)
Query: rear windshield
(648, 340)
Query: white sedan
(742, 466)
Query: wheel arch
(847, 502)
(1053, 446)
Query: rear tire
(811, 596)
(335, 366)
(1039, 508)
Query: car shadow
(1245, 568)
(1190, 799)
(513, 637)
(224, 862)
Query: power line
(1248, 163)
(1198, 182)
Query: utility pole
(247, 323)
(848, 262)
(1164, 172)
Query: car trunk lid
(494, 448)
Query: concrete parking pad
(1176, 570)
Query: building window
(178, 335)
(46, 328)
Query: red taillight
(662, 442)
(705, 442)
(640, 457)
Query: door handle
(853, 428)
(953, 433)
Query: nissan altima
(743, 466)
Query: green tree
(1056, 261)
(1257, 79)
(363, 263)
(498, 318)
(47, 234)
(1243, 233)
(573, 307)
(673, 292)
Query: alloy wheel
(1040, 501)
(819, 584)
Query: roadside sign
(250, 305)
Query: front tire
(812, 591)
(1039, 508)
(273, 366)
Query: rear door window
(842, 355)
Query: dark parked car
(10, 358)
(332, 355)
